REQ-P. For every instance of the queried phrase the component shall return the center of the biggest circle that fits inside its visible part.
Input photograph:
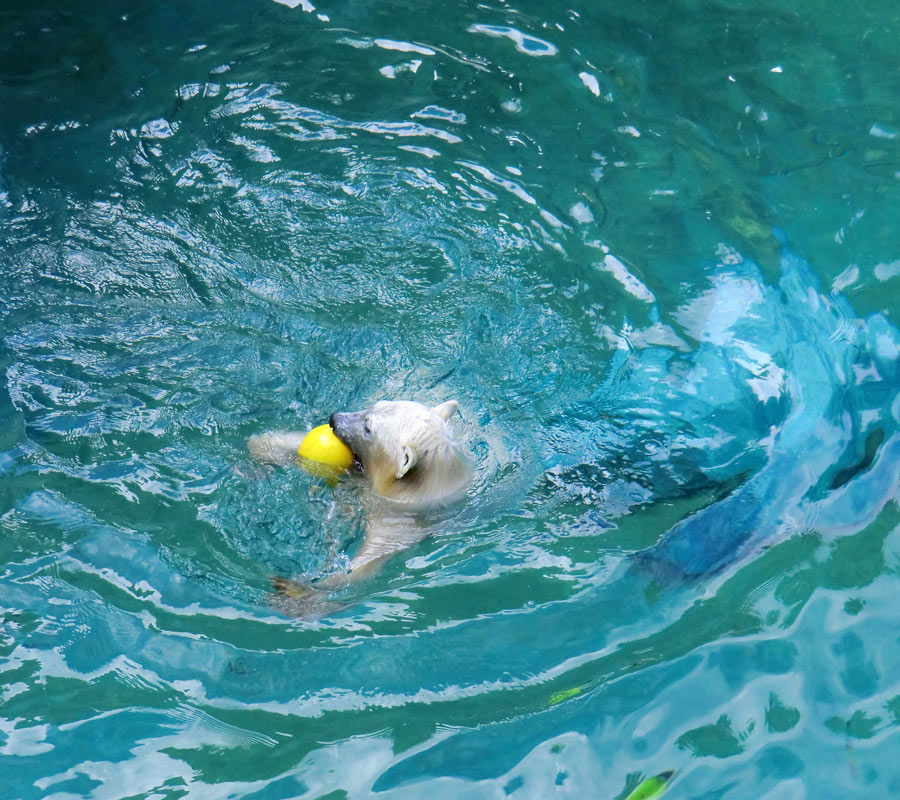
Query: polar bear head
(406, 449)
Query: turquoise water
(651, 249)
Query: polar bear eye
(367, 426)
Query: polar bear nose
(340, 423)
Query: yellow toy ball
(323, 453)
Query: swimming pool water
(652, 251)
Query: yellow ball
(322, 447)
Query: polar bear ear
(447, 410)
(407, 458)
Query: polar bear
(411, 462)
(406, 449)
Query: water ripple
(680, 545)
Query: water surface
(652, 252)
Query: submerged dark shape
(842, 383)
(785, 390)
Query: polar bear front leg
(386, 535)
(275, 447)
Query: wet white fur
(411, 461)
(275, 447)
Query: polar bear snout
(346, 426)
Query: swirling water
(652, 251)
